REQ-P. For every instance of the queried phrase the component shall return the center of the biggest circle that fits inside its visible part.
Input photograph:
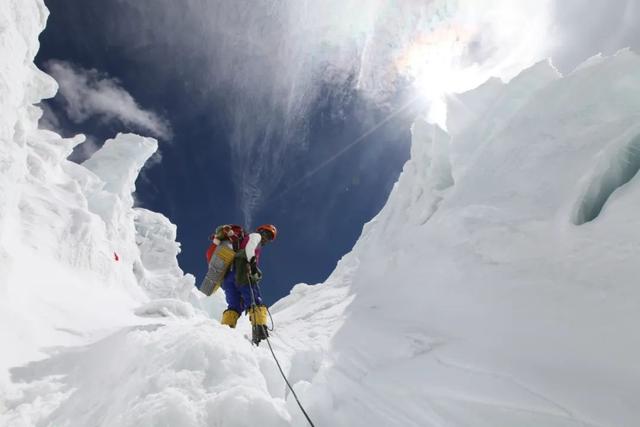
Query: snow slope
(496, 287)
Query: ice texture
(76, 257)
(506, 295)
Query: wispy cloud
(272, 61)
(51, 121)
(89, 93)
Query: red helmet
(269, 228)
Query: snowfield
(498, 287)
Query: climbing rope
(253, 306)
(289, 385)
(273, 324)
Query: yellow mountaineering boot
(230, 318)
(258, 318)
(258, 315)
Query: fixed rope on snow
(289, 385)
(253, 306)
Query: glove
(253, 265)
(256, 274)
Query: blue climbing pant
(239, 296)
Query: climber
(240, 283)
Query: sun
(435, 62)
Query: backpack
(231, 232)
(220, 257)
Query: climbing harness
(253, 306)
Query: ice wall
(498, 286)
(75, 255)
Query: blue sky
(246, 98)
(319, 218)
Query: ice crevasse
(497, 287)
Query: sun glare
(435, 63)
(459, 53)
